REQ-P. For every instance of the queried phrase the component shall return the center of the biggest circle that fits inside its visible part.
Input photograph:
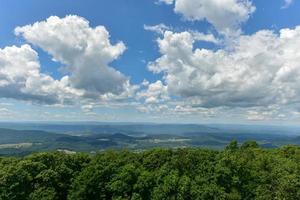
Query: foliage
(238, 172)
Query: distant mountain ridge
(135, 137)
(147, 129)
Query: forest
(239, 171)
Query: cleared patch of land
(16, 146)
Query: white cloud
(85, 51)
(88, 108)
(250, 73)
(159, 28)
(4, 111)
(199, 36)
(169, 2)
(6, 114)
(155, 93)
(267, 113)
(154, 109)
(189, 110)
(258, 116)
(287, 3)
(225, 15)
(257, 70)
(20, 78)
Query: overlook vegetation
(237, 172)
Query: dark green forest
(244, 171)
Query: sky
(166, 61)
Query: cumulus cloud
(267, 113)
(154, 109)
(85, 51)
(252, 71)
(199, 36)
(225, 15)
(20, 78)
(159, 28)
(155, 93)
(257, 70)
(190, 110)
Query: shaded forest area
(237, 172)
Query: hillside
(23, 142)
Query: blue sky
(163, 93)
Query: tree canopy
(237, 172)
